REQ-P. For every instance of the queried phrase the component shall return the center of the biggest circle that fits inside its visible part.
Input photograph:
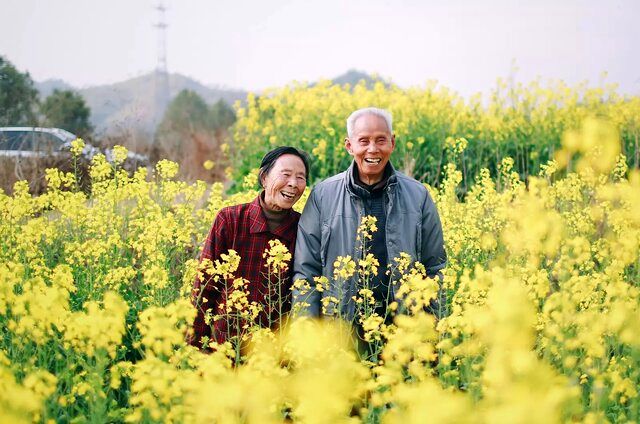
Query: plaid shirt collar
(259, 222)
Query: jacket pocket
(419, 242)
(325, 235)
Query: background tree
(18, 97)
(187, 135)
(67, 110)
(186, 114)
(222, 115)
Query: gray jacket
(328, 225)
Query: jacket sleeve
(307, 263)
(433, 255)
(205, 296)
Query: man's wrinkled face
(371, 145)
(285, 182)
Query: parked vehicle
(26, 152)
(36, 142)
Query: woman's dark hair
(270, 159)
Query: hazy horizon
(464, 45)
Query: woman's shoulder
(233, 213)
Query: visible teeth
(287, 195)
(368, 160)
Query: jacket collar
(355, 190)
(258, 222)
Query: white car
(37, 142)
(28, 142)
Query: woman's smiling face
(284, 183)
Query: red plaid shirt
(244, 229)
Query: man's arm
(433, 255)
(307, 263)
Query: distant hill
(45, 88)
(130, 104)
(353, 76)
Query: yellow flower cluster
(208, 165)
(278, 257)
(367, 228)
(541, 296)
(119, 154)
(22, 403)
(433, 124)
(163, 328)
(343, 268)
(100, 327)
(77, 146)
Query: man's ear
(347, 145)
(393, 141)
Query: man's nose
(372, 148)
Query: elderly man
(407, 220)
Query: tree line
(20, 104)
(186, 115)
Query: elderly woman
(247, 229)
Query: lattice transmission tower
(161, 77)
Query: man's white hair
(351, 120)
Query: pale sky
(254, 44)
